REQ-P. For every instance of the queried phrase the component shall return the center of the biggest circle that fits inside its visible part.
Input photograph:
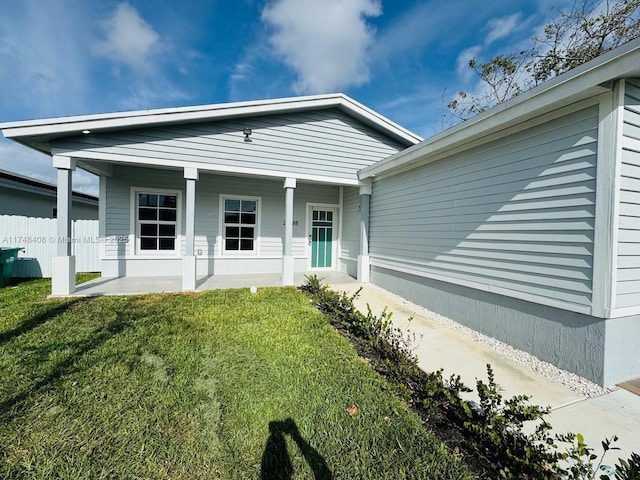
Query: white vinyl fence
(38, 237)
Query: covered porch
(170, 284)
(260, 187)
(282, 239)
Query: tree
(591, 28)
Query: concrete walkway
(615, 413)
(169, 284)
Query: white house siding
(514, 216)
(209, 187)
(628, 268)
(350, 244)
(327, 143)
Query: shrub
(493, 430)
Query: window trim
(336, 242)
(221, 227)
(135, 223)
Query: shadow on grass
(45, 381)
(51, 311)
(276, 463)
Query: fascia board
(72, 125)
(63, 125)
(586, 80)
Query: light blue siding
(326, 143)
(628, 273)
(515, 215)
(350, 224)
(207, 223)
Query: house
(252, 187)
(28, 209)
(24, 196)
(522, 223)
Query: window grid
(157, 221)
(240, 222)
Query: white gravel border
(570, 380)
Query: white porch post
(189, 259)
(363, 257)
(287, 257)
(63, 277)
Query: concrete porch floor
(139, 285)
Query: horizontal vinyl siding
(326, 143)
(350, 245)
(628, 273)
(207, 224)
(118, 205)
(514, 215)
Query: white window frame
(135, 223)
(335, 244)
(221, 227)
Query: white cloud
(242, 71)
(497, 29)
(502, 27)
(129, 39)
(85, 182)
(462, 62)
(149, 94)
(24, 161)
(326, 43)
(30, 163)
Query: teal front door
(321, 238)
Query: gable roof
(587, 80)
(38, 134)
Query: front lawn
(223, 384)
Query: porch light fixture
(246, 132)
(86, 132)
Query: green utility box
(8, 257)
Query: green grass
(223, 384)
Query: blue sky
(404, 59)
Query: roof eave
(585, 81)
(32, 132)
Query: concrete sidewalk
(614, 413)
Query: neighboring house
(523, 222)
(20, 195)
(28, 208)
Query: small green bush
(493, 430)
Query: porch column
(189, 259)
(63, 276)
(287, 257)
(363, 257)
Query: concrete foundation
(600, 350)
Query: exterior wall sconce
(247, 133)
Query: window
(240, 219)
(157, 216)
